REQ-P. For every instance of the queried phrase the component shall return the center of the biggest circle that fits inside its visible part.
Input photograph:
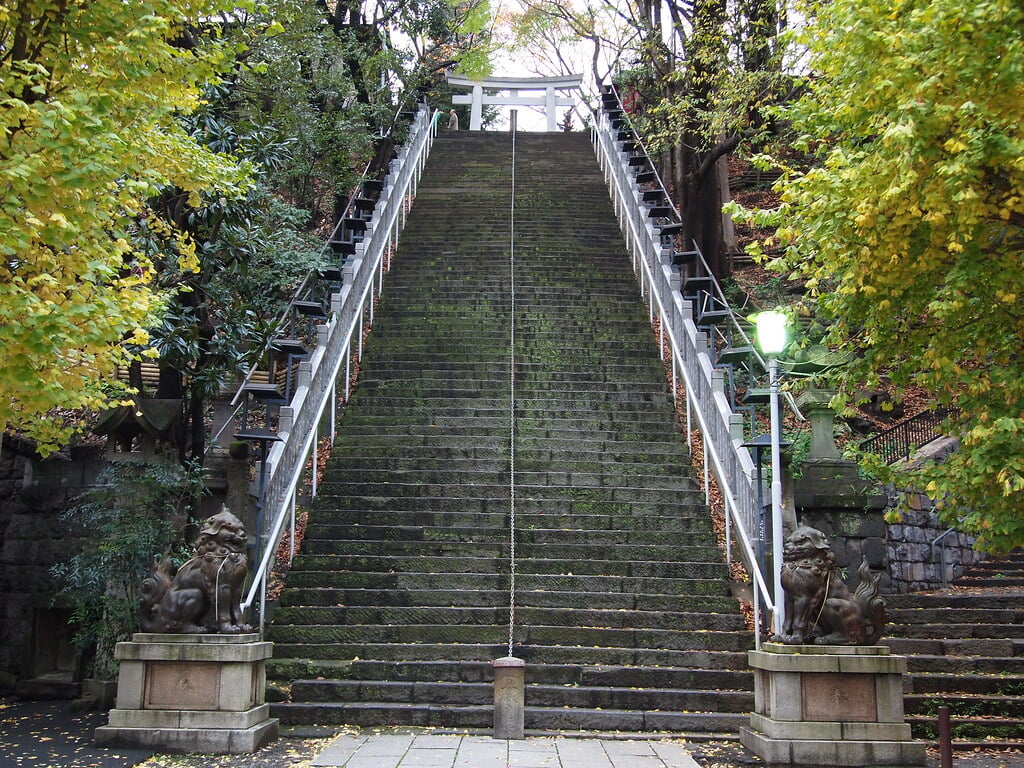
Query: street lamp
(771, 338)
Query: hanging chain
(512, 404)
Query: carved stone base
(829, 706)
(191, 693)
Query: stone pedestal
(509, 697)
(826, 705)
(191, 693)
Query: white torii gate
(549, 100)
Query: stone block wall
(914, 565)
(33, 538)
(855, 534)
(853, 517)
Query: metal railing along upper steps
(710, 349)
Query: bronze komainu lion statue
(819, 607)
(205, 594)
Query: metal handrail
(318, 376)
(942, 554)
(731, 463)
(311, 274)
(716, 287)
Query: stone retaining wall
(33, 538)
(914, 565)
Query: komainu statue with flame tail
(819, 607)
(204, 594)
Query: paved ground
(461, 751)
(47, 734)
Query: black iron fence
(899, 441)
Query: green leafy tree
(295, 87)
(698, 74)
(252, 253)
(705, 87)
(89, 132)
(909, 232)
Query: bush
(134, 513)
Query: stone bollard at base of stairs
(509, 697)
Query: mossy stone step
(452, 460)
(430, 439)
(550, 654)
(956, 630)
(434, 565)
(324, 596)
(330, 522)
(339, 480)
(552, 537)
(487, 615)
(937, 682)
(964, 616)
(533, 458)
(525, 551)
(493, 513)
(483, 672)
(435, 391)
(334, 491)
(981, 665)
(613, 408)
(997, 647)
(496, 581)
(349, 634)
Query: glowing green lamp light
(771, 331)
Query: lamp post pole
(771, 337)
(773, 404)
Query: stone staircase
(965, 649)
(399, 601)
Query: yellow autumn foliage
(912, 225)
(88, 132)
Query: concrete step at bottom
(540, 695)
(482, 716)
(483, 672)
(942, 684)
